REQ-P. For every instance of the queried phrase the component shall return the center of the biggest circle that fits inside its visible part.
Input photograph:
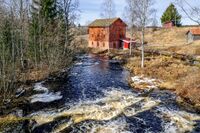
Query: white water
(114, 103)
(116, 109)
(180, 121)
(45, 96)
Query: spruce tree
(171, 14)
(48, 9)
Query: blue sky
(90, 9)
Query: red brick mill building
(108, 34)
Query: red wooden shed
(126, 43)
(168, 24)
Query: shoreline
(183, 100)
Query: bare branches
(108, 9)
(140, 13)
(28, 43)
(191, 11)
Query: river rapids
(96, 98)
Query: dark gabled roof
(104, 22)
(195, 31)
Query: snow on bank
(38, 87)
(46, 96)
(145, 83)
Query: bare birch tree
(108, 9)
(38, 39)
(130, 15)
(191, 11)
(142, 10)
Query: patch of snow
(39, 87)
(150, 83)
(46, 97)
(140, 79)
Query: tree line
(35, 35)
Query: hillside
(173, 40)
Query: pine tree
(171, 14)
(44, 13)
(48, 9)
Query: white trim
(127, 41)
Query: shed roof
(104, 22)
(195, 31)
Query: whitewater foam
(45, 96)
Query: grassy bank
(177, 75)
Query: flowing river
(96, 98)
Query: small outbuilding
(193, 35)
(127, 42)
(169, 24)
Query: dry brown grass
(162, 67)
(190, 87)
(176, 74)
(173, 40)
(190, 49)
(167, 37)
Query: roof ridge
(106, 22)
(195, 31)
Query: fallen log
(189, 58)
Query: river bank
(96, 97)
(176, 75)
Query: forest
(36, 39)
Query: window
(103, 44)
(92, 43)
(97, 44)
(114, 45)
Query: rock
(18, 113)
(20, 92)
(146, 93)
(6, 101)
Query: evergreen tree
(48, 9)
(171, 14)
